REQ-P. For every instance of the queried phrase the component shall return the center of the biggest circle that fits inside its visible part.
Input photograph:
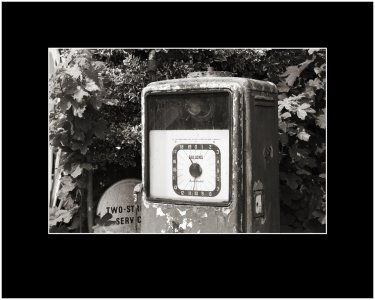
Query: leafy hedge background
(96, 121)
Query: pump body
(210, 155)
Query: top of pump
(210, 73)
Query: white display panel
(208, 150)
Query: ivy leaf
(91, 85)
(283, 126)
(303, 135)
(112, 102)
(74, 71)
(310, 92)
(54, 140)
(304, 106)
(283, 87)
(63, 104)
(98, 65)
(316, 84)
(286, 115)
(303, 172)
(77, 171)
(311, 51)
(310, 110)
(66, 180)
(60, 215)
(320, 69)
(285, 103)
(80, 94)
(282, 96)
(66, 186)
(301, 113)
(63, 194)
(68, 203)
(68, 85)
(321, 120)
(78, 111)
(293, 72)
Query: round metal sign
(118, 211)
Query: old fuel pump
(210, 155)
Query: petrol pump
(209, 155)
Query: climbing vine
(77, 92)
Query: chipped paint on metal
(146, 204)
(258, 185)
(207, 82)
(209, 74)
(191, 218)
(182, 213)
(226, 211)
(167, 217)
(159, 212)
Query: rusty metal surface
(252, 84)
(261, 161)
(209, 74)
(237, 216)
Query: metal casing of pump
(253, 175)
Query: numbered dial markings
(196, 170)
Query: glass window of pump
(188, 111)
(189, 147)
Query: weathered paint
(209, 74)
(261, 126)
(168, 217)
(119, 202)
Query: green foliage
(97, 97)
(302, 139)
(78, 93)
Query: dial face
(196, 170)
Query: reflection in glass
(188, 111)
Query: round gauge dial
(196, 170)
